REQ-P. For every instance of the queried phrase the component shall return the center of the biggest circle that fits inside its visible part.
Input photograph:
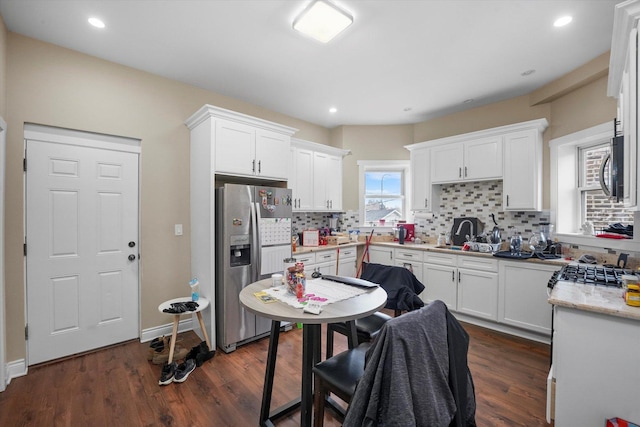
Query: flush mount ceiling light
(561, 22)
(333, 110)
(322, 21)
(96, 22)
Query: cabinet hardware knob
(465, 171)
(259, 166)
(253, 166)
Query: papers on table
(318, 291)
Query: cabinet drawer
(440, 258)
(325, 256)
(348, 253)
(478, 263)
(409, 255)
(309, 258)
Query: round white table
(341, 311)
(202, 304)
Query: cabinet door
(523, 296)
(302, 175)
(334, 183)
(421, 180)
(440, 284)
(380, 255)
(446, 163)
(412, 266)
(478, 293)
(272, 154)
(522, 184)
(320, 168)
(483, 158)
(347, 267)
(235, 148)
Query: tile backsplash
(472, 199)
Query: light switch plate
(178, 229)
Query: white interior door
(82, 248)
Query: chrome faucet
(470, 228)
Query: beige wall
(370, 143)
(584, 105)
(54, 86)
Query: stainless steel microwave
(614, 186)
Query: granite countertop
(598, 299)
(434, 248)
(425, 247)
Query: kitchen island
(595, 372)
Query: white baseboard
(15, 369)
(157, 331)
(18, 368)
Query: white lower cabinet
(466, 284)
(411, 259)
(347, 262)
(381, 255)
(523, 298)
(308, 259)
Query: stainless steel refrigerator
(253, 237)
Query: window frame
(384, 166)
(565, 200)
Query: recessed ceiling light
(333, 110)
(527, 73)
(96, 22)
(322, 21)
(407, 109)
(561, 22)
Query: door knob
(132, 257)
(132, 244)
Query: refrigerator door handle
(256, 243)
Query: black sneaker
(168, 374)
(184, 369)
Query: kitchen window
(575, 193)
(383, 192)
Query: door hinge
(24, 248)
(26, 332)
(24, 164)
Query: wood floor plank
(118, 386)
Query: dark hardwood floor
(117, 386)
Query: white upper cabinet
(235, 150)
(483, 159)
(421, 180)
(446, 163)
(316, 173)
(272, 154)
(473, 160)
(301, 178)
(512, 153)
(522, 184)
(242, 145)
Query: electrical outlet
(178, 229)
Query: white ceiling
(426, 55)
